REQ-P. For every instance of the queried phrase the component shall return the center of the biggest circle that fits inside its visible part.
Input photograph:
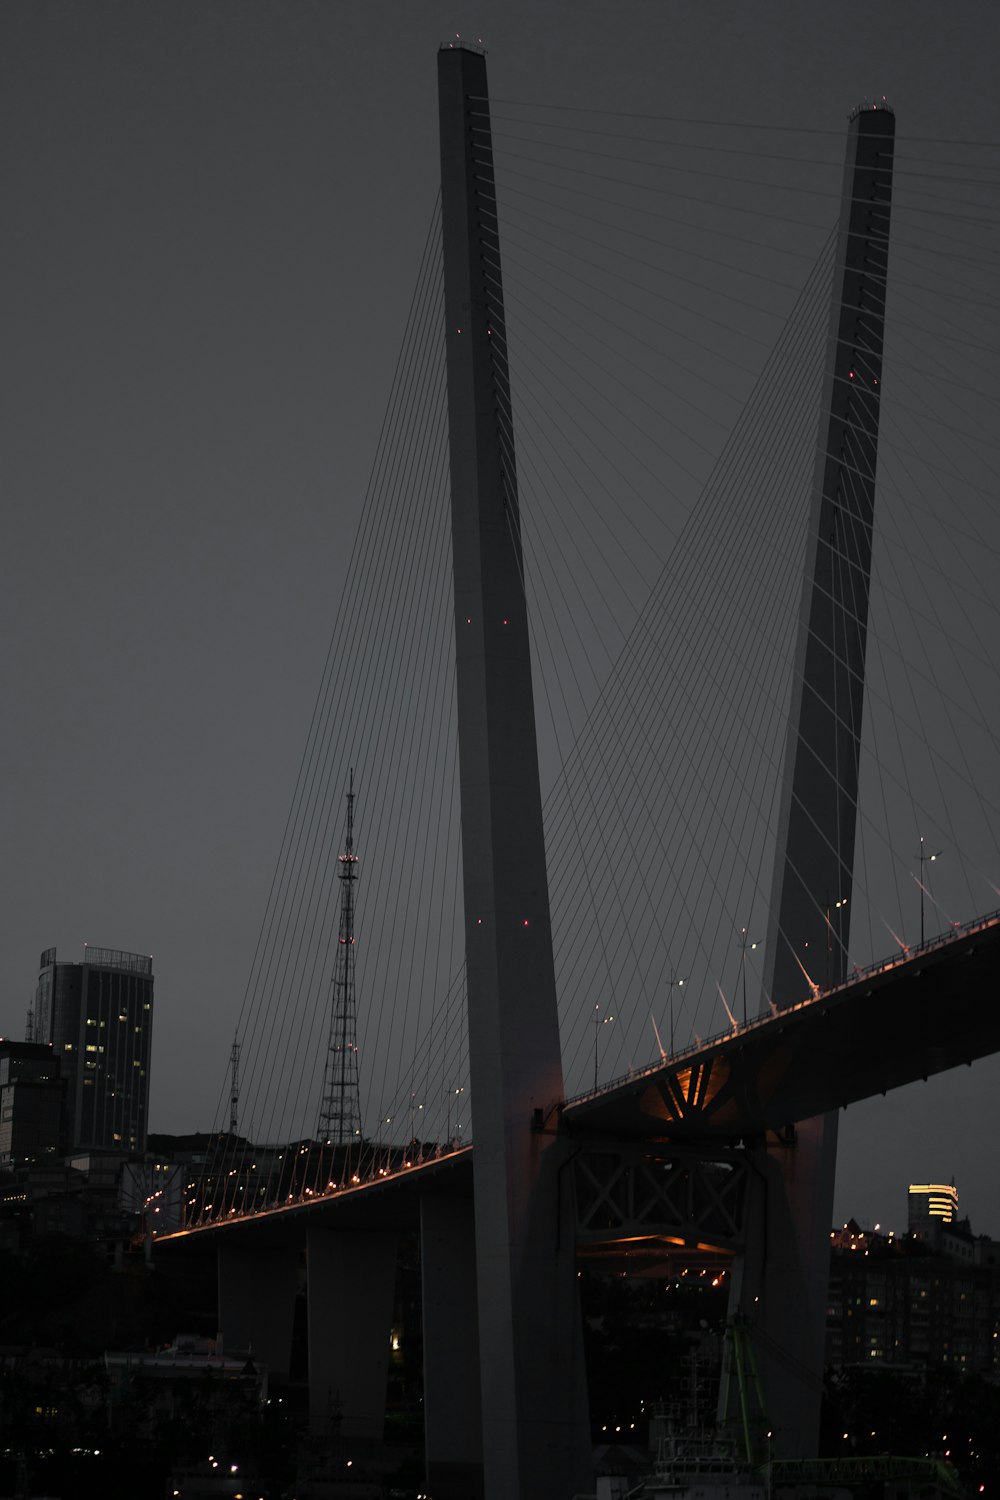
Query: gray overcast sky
(213, 216)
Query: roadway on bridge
(920, 1014)
(924, 1012)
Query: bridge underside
(388, 1203)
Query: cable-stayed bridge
(589, 383)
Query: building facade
(98, 1017)
(899, 1302)
(929, 1204)
(31, 1097)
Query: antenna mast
(234, 1088)
(340, 1110)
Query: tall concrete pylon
(535, 1434)
(780, 1282)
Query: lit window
(89, 1048)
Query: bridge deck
(390, 1202)
(903, 1020)
(922, 1013)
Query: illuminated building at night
(931, 1203)
(98, 1015)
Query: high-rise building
(31, 1096)
(931, 1203)
(98, 1015)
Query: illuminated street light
(599, 1021)
(746, 942)
(673, 983)
(833, 913)
(925, 859)
(452, 1094)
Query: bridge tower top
(868, 105)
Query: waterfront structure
(98, 1017)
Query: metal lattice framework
(681, 1196)
(340, 1111)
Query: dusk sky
(214, 218)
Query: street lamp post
(414, 1111)
(832, 936)
(745, 942)
(452, 1094)
(599, 1021)
(925, 859)
(673, 984)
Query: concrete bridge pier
(780, 1280)
(350, 1284)
(257, 1289)
(452, 1406)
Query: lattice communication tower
(340, 1109)
(234, 1088)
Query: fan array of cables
(667, 288)
(385, 708)
(658, 273)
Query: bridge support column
(452, 1409)
(351, 1280)
(536, 1442)
(257, 1290)
(781, 1280)
(781, 1287)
